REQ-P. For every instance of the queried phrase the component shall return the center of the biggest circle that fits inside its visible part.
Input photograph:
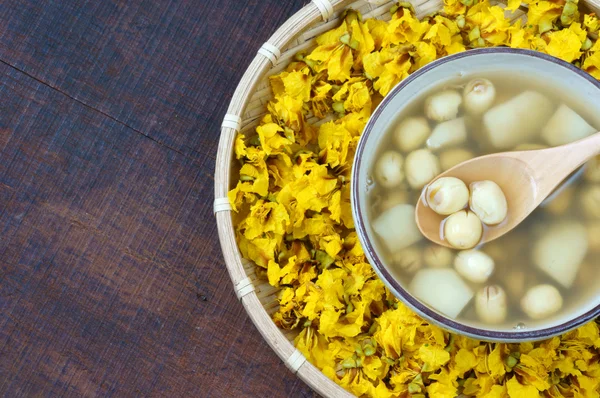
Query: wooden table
(112, 281)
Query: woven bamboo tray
(247, 107)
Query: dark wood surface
(112, 281)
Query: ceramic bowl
(473, 62)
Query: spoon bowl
(525, 177)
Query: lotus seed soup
(538, 273)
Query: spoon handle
(550, 166)
(583, 149)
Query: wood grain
(112, 282)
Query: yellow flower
(335, 58)
(543, 14)
(389, 67)
(533, 372)
(454, 7)
(356, 383)
(445, 35)
(441, 32)
(265, 217)
(497, 391)
(296, 84)
(374, 368)
(354, 252)
(433, 357)
(272, 139)
(361, 41)
(313, 303)
(286, 275)
(463, 362)
(565, 44)
(592, 65)
(480, 386)
(286, 299)
(315, 348)
(242, 193)
(525, 38)
(488, 23)
(495, 362)
(331, 244)
(308, 192)
(259, 250)
(591, 23)
(513, 5)
(518, 390)
(239, 146)
(395, 329)
(344, 48)
(259, 175)
(590, 334)
(287, 111)
(332, 36)
(355, 122)
(346, 209)
(444, 387)
(455, 47)
(254, 178)
(588, 386)
(281, 170)
(321, 99)
(355, 95)
(340, 64)
(495, 26)
(424, 54)
(404, 28)
(378, 31)
(334, 141)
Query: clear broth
(513, 252)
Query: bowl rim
(359, 219)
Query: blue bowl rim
(402, 294)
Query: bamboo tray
(247, 107)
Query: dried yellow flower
(591, 23)
(566, 44)
(543, 14)
(487, 23)
(518, 390)
(592, 63)
(455, 7)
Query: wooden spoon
(525, 177)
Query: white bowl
(445, 69)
